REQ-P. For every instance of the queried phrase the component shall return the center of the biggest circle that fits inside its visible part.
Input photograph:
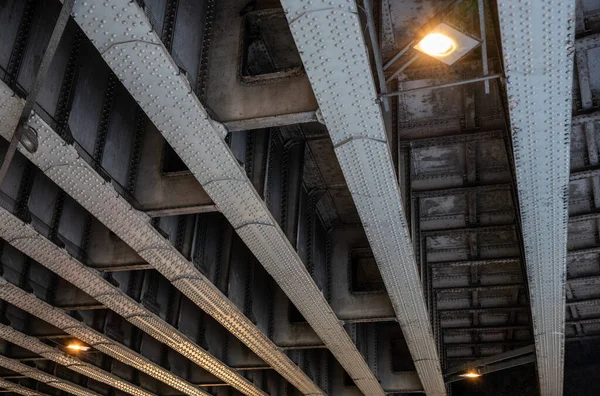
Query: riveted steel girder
(89, 370)
(18, 389)
(331, 43)
(31, 243)
(45, 378)
(63, 165)
(60, 319)
(124, 37)
(537, 44)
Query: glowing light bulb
(437, 44)
(471, 374)
(78, 347)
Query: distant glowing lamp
(471, 374)
(437, 44)
(78, 347)
(446, 44)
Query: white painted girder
(121, 32)
(537, 43)
(89, 370)
(330, 40)
(26, 239)
(58, 318)
(18, 389)
(45, 378)
(63, 165)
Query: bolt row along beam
(19, 389)
(58, 318)
(335, 56)
(123, 35)
(34, 345)
(537, 44)
(63, 165)
(30, 242)
(44, 378)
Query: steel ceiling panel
(122, 33)
(18, 389)
(537, 43)
(24, 238)
(48, 379)
(62, 164)
(58, 318)
(36, 346)
(334, 54)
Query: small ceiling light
(437, 44)
(78, 347)
(446, 44)
(471, 374)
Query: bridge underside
(287, 198)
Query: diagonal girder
(63, 165)
(45, 378)
(19, 389)
(60, 319)
(26, 239)
(537, 44)
(123, 35)
(331, 43)
(89, 370)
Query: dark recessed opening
(401, 359)
(171, 161)
(347, 380)
(295, 315)
(364, 272)
(269, 48)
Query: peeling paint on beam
(331, 43)
(539, 93)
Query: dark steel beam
(529, 349)
(469, 263)
(491, 310)
(20, 129)
(461, 190)
(453, 139)
(530, 358)
(478, 288)
(490, 344)
(483, 329)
